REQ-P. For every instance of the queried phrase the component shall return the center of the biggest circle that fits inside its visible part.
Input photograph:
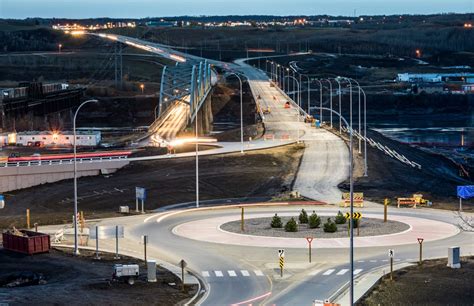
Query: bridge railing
(61, 161)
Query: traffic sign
(140, 193)
(420, 240)
(309, 239)
(2, 201)
(391, 253)
(356, 215)
(183, 264)
(282, 262)
(281, 253)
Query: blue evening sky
(158, 8)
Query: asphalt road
(236, 274)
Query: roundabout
(210, 230)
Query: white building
(39, 139)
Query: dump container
(30, 243)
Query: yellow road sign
(356, 215)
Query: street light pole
(340, 107)
(330, 99)
(298, 112)
(76, 248)
(241, 114)
(197, 161)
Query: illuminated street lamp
(142, 87)
(59, 48)
(418, 53)
(76, 248)
(241, 113)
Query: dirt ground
(432, 284)
(170, 181)
(85, 281)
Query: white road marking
(232, 273)
(328, 272)
(245, 272)
(384, 260)
(205, 273)
(258, 273)
(357, 271)
(373, 260)
(219, 273)
(397, 259)
(361, 261)
(314, 272)
(342, 272)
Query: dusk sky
(158, 8)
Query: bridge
(184, 89)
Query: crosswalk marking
(357, 271)
(245, 272)
(205, 273)
(232, 273)
(314, 272)
(258, 273)
(342, 272)
(219, 273)
(328, 272)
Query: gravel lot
(261, 227)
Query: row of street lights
(350, 130)
(277, 73)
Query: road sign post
(391, 253)
(116, 242)
(420, 242)
(385, 205)
(281, 257)
(309, 239)
(145, 242)
(97, 242)
(242, 219)
(355, 216)
(183, 265)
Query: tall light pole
(197, 161)
(298, 112)
(76, 248)
(340, 107)
(60, 47)
(320, 101)
(241, 113)
(351, 191)
(330, 99)
(309, 92)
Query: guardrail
(383, 148)
(61, 161)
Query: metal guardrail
(61, 161)
(383, 148)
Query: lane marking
(361, 261)
(342, 272)
(232, 273)
(205, 274)
(245, 272)
(219, 273)
(373, 260)
(385, 260)
(328, 272)
(258, 273)
(357, 271)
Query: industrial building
(467, 78)
(41, 139)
